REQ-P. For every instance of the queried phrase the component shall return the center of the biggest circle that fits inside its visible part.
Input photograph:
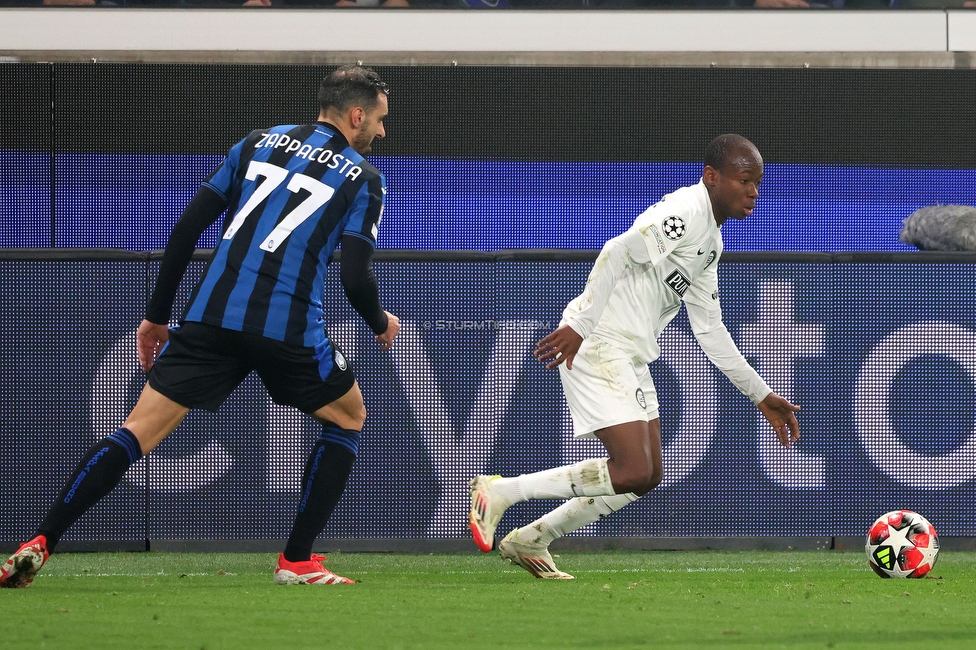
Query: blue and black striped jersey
(293, 191)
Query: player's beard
(362, 141)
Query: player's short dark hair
(722, 149)
(350, 86)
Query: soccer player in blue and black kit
(292, 194)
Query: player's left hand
(560, 345)
(780, 415)
(150, 339)
(392, 329)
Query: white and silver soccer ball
(902, 544)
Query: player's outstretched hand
(780, 415)
(392, 329)
(560, 345)
(150, 339)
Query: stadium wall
(528, 131)
(496, 157)
(879, 349)
(459, 31)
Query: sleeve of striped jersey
(366, 210)
(617, 254)
(359, 283)
(717, 343)
(203, 210)
(222, 179)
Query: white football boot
(487, 508)
(534, 559)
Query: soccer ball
(902, 544)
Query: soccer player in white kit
(604, 342)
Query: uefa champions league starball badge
(674, 227)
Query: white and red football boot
(19, 570)
(310, 572)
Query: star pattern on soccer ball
(897, 541)
(674, 227)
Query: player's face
(735, 189)
(372, 127)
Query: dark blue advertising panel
(25, 156)
(124, 201)
(64, 342)
(26, 218)
(131, 201)
(882, 358)
(108, 155)
(905, 358)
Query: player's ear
(710, 174)
(357, 116)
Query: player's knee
(654, 479)
(349, 416)
(641, 488)
(358, 416)
(640, 483)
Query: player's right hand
(560, 345)
(781, 415)
(392, 329)
(150, 339)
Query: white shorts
(606, 387)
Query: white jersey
(639, 280)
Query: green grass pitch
(683, 599)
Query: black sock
(323, 482)
(99, 471)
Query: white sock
(570, 516)
(588, 478)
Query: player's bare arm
(392, 329)
(150, 339)
(559, 346)
(780, 414)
